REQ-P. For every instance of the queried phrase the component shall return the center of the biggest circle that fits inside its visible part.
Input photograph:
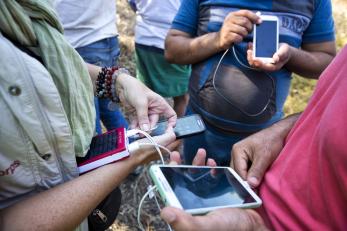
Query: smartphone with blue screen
(265, 38)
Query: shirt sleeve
(321, 28)
(187, 17)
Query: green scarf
(34, 25)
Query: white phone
(201, 189)
(265, 38)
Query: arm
(181, 48)
(93, 73)
(260, 149)
(144, 106)
(65, 206)
(311, 60)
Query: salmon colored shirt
(306, 187)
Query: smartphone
(265, 38)
(185, 126)
(201, 189)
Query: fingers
(253, 17)
(239, 161)
(164, 109)
(166, 138)
(236, 26)
(170, 115)
(279, 59)
(153, 119)
(256, 172)
(175, 158)
(283, 54)
(178, 219)
(211, 162)
(142, 115)
(222, 219)
(200, 157)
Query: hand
(199, 159)
(146, 152)
(143, 105)
(221, 219)
(279, 59)
(260, 149)
(235, 27)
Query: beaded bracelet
(106, 85)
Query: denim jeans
(103, 53)
(217, 144)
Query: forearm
(181, 49)
(284, 126)
(310, 61)
(93, 73)
(65, 206)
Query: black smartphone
(185, 126)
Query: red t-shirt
(306, 187)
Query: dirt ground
(134, 187)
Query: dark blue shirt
(300, 22)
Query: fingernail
(169, 216)
(145, 127)
(253, 181)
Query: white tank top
(153, 20)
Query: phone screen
(185, 126)
(197, 188)
(266, 39)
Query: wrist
(291, 55)
(283, 127)
(219, 45)
(256, 221)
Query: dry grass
(301, 88)
(134, 187)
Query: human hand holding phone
(219, 219)
(236, 26)
(142, 105)
(279, 59)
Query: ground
(135, 186)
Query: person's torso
(248, 100)
(85, 21)
(36, 149)
(306, 187)
(153, 20)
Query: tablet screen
(197, 188)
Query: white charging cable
(149, 191)
(137, 145)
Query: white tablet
(201, 189)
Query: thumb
(175, 158)
(142, 116)
(178, 219)
(256, 172)
(167, 138)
